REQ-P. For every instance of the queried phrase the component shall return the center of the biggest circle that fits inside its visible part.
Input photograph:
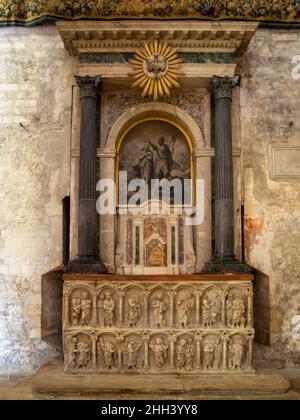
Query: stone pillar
(224, 218)
(94, 339)
(224, 257)
(198, 349)
(146, 297)
(87, 260)
(67, 319)
(198, 306)
(95, 307)
(121, 305)
(172, 340)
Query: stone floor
(50, 383)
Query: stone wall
(270, 103)
(35, 109)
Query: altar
(156, 281)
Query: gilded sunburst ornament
(156, 68)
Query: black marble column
(224, 260)
(87, 260)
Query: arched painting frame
(131, 143)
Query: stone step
(51, 382)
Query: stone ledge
(50, 380)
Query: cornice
(209, 37)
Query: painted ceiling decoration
(26, 12)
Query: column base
(86, 266)
(226, 267)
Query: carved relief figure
(109, 351)
(185, 306)
(181, 354)
(132, 349)
(238, 312)
(229, 310)
(160, 352)
(86, 309)
(236, 353)
(185, 354)
(76, 310)
(211, 309)
(217, 353)
(159, 310)
(215, 310)
(134, 311)
(109, 305)
(84, 354)
(206, 313)
(190, 355)
(70, 345)
(208, 354)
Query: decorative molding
(236, 153)
(108, 153)
(37, 11)
(193, 76)
(127, 36)
(284, 161)
(101, 153)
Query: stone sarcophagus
(174, 324)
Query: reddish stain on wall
(253, 230)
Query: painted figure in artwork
(164, 159)
(146, 163)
